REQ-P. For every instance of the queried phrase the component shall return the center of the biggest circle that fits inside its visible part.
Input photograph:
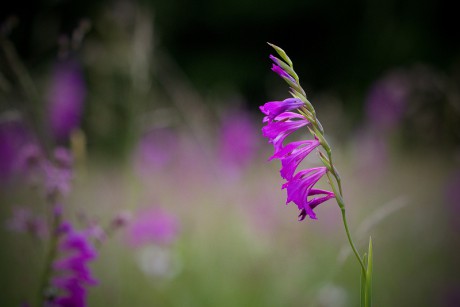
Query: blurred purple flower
(155, 150)
(57, 180)
(152, 225)
(72, 273)
(66, 97)
(24, 221)
(29, 165)
(238, 140)
(387, 100)
(58, 174)
(13, 137)
(96, 232)
(63, 158)
(54, 176)
(371, 153)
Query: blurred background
(158, 103)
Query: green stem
(338, 198)
(56, 221)
(338, 194)
(350, 240)
(335, 173)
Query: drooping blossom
(71, 272)
(281, 127)
(300, 188)
(292, 154)
(152, 225)
(274, 108)
(66, 97)
(312, 203)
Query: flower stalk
(281, 123)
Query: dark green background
(337, 45)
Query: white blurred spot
(158, 262)
(332, 296)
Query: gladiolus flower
(274, 108)
(292, 155)
(282, 126)
(300, 187)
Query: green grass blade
(369, 275)
(363, 284)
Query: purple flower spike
(274, 108)
(282, 126)
(66, 97)
(77, 293)
(73, 273)
(283, 74)
(292, 154)
(281, 119)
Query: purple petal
(274, 108)
(313, 203)
(282, 73)
(291, 159)
(283, 125)
(298, 188)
